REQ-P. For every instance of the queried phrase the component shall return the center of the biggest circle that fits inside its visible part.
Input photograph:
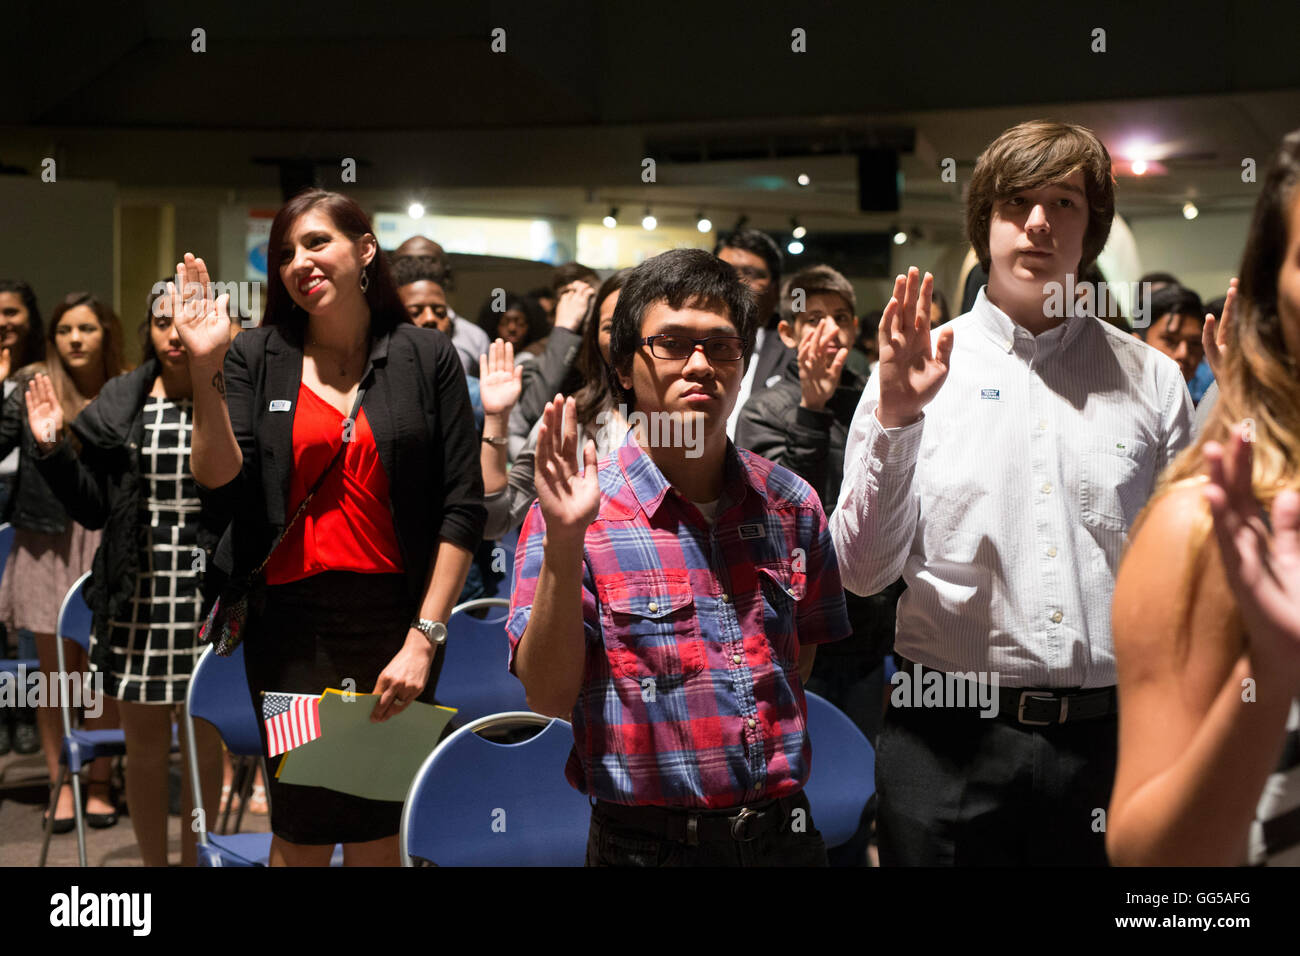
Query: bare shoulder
(1173, 609)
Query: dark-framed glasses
(717, 348)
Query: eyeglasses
(717, 348)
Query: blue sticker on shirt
(993, 394)
(281, 405)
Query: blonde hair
(1258, 383)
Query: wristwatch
(435, 631)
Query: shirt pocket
(783, 590)
(650, 626)
(1114, 481)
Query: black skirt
(314, 634)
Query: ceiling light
(795, 247)
(415, 210)
(1190, 211)
(611, 220)
(803, 179)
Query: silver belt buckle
(1020, 715)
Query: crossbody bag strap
(338, 455)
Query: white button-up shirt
(1006, 507)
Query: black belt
(693, 827)
(1045, 707)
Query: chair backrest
(843, 774)
(6, 545)
(74, 615)
(474, 678)
(479, 803)
(219, 694)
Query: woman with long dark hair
(340, 392)
(1209, 756)
(508, 496)
(130, 476)
(51, 549)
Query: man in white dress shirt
(997, 465)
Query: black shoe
(101, 821)
(27, 740)
(61, 824)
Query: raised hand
(1263, 568)
(44, 413)
(203, 323)
(571, 308)
(1214, 336)
(820, 368)
(569, 496)
(911, 373)
(6, 363)
(499, 380)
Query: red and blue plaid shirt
(692, 696)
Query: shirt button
(736, 658)
(726, 599)
(1051, 552)
(652, 606)
(1047, 490)
(790, 591)
(758, 786)
(751, 722)
(1056, 618)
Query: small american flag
(291, 721)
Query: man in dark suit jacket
(757, 260)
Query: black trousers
(957, 789)
(614, 843)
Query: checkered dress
(153, 654)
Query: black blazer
(417, 405)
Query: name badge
(749, 532)
(281, 405)
(992, 394)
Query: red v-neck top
(348, 525)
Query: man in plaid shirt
(670, 601)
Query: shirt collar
(650, 487)
(1002, 331)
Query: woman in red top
(378, 558)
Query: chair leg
(246, 790)
(49, 813)
(79, 810)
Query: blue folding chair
(475, 802)
(843, 774)
(80, 747)
(218, 693)
(474, 678)
(21, 666)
